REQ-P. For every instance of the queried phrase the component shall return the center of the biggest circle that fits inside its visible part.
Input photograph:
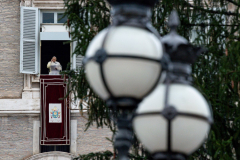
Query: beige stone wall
(11, 81)
(16, 136)
(93, 140)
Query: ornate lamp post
(174, 120)
(123, 63)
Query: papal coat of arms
(55, 111)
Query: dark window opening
(48, 18)
(61, 148)
(54, 48)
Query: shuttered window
(29, 40)
(77, 60)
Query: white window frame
(72, 58)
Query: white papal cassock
(54, 67)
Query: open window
(42, 37)
(59, 49)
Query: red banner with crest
(55, 113)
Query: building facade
(31, 33)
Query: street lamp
(174, 120)
(123, 63)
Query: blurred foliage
(213, 24)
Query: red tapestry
(55, 114)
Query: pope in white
(54, 66)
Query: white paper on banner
(55, 113)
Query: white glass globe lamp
(123, 64)
(178, 129)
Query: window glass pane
(48, 18)
(59, 16)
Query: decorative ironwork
(177, 47)
(181, 53)
(124, 136)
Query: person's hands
(53, 60)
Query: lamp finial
(178, 48)
(174, 21)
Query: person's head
(54, 59)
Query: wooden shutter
(29, 40)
